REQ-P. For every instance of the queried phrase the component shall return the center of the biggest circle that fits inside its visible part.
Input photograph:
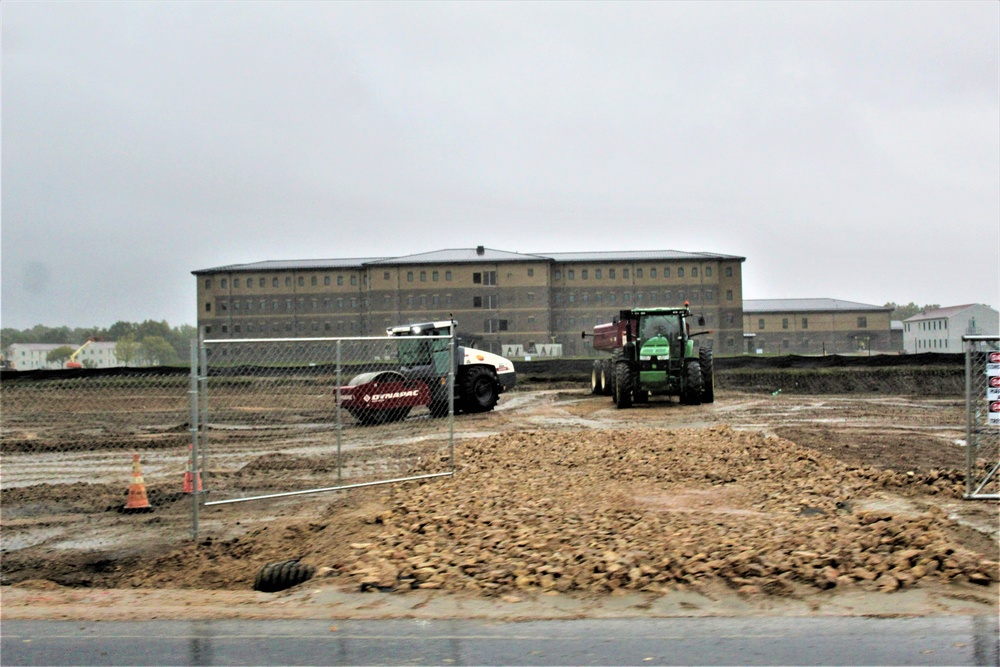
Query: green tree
(120, 330)
(59, 354)
(178, 337)
(907, 311)
(126, 349)
(157, 351)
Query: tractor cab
(659, 335)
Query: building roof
(461, 256)
(637, 256)
(466, 256)
(808, 306)
(941, 313)
(291, 265)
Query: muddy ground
(560, 506)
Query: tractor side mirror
(701, 320)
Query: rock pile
(650, 510)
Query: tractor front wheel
(691, 394)
(623, 385)
(707, 375)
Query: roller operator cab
(422, 378)
(480, 376)
(652, 353)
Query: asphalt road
(952, 640)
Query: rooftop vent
(480, 250)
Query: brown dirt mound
(600, 511)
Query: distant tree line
(149, 342)
(904, 312)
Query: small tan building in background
(816, 326)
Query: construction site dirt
(561, 506)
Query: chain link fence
(252, 419)
(67, 427)
(68, 440)
(260, 418)
(982, 377)
(281, 417)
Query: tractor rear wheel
(479, 390)
(597, 379)
(691, 394)
(707, 375)
(623, 385)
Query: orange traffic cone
(137, 500)
(189, 482)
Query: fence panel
(286, 417)
(982, 365)
(68, 440)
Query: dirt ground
(560, 506)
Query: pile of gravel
(651, 510)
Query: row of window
(652, 298)
(478, 278)
(435, 276)
(488, 301)
(261, 282)
(929, 325)
(485, 278)
(491, 325)
(784, 323)
(265, 328)
(283, 305)
(679, 272)
(862, 323)
(932, 344)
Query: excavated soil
(556, 496)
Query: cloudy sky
(847, 150)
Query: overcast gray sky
(847, 150)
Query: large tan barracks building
(511, 301)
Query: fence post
(340, 415)
(970, 441)
(451, 397)
(194, 472)
(203, 399)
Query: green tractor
(653, 353)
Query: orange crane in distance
(72, 362)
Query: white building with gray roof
(941, 329)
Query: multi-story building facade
(941, 329)
(505, 299)
(816, 326)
